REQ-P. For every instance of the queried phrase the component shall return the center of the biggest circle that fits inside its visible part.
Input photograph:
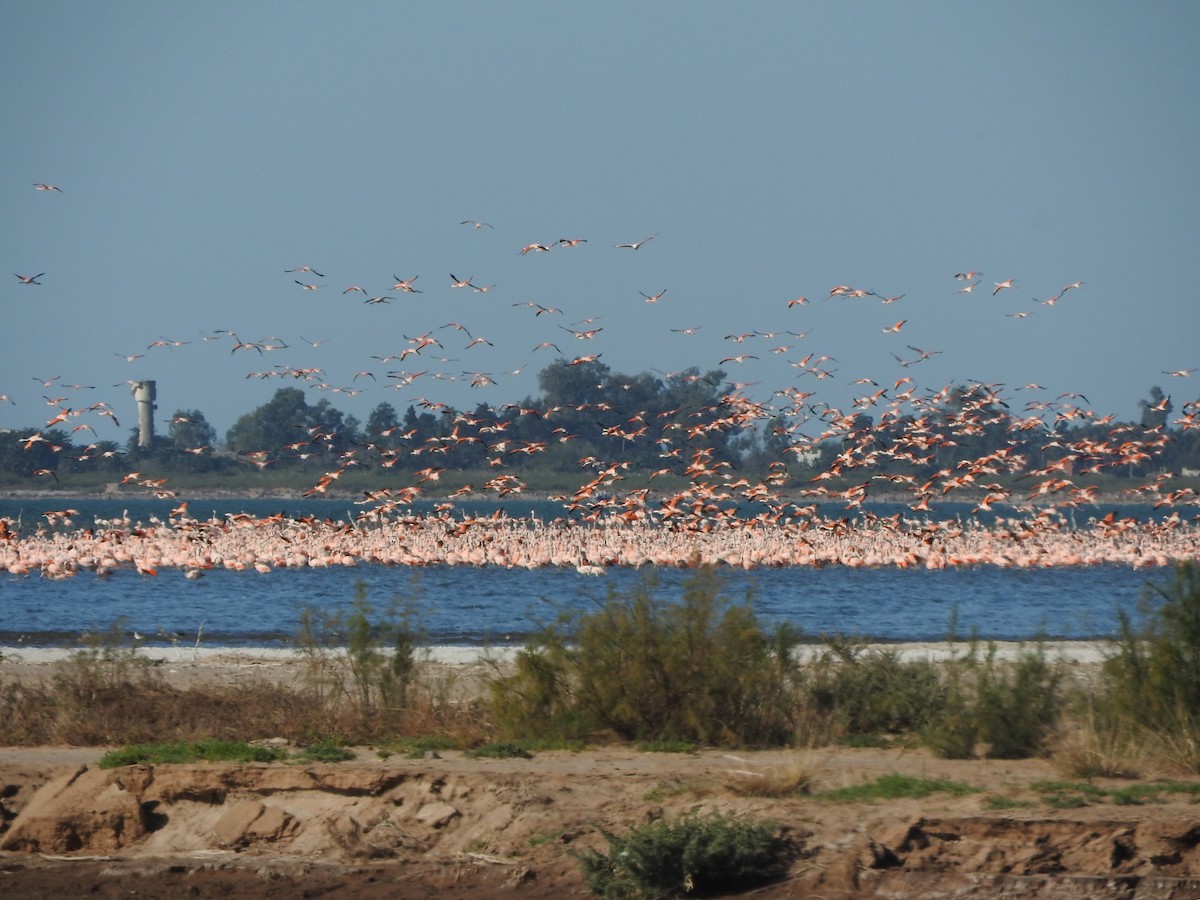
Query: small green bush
(696, 854)
(509, 750)
(700, 670)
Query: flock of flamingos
(720, 516)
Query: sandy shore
(1086, 652)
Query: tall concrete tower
(145, 394)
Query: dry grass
(1121, 749)
(94, 700)
(790, 779)
(1087, 750)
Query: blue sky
(773, 150)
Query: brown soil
(463, 827)
(454, 826)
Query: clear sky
(774, 151)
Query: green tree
(287, 420)
(383, 425)
(272, 426)
(572, 386)
(189, 430)
(24, 452)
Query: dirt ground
(453, 826)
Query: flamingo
(636, 245)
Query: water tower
(145, 394)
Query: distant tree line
(655, 424)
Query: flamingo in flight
(636, 245)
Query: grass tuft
(212, 750)
(895, 787)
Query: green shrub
(1010, 707)
(697, 854)
(1153, 677)
(700, 669)
(1018, 705)
(873, 691)
(953, 731)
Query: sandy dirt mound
(473, 827)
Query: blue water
(464, 605)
